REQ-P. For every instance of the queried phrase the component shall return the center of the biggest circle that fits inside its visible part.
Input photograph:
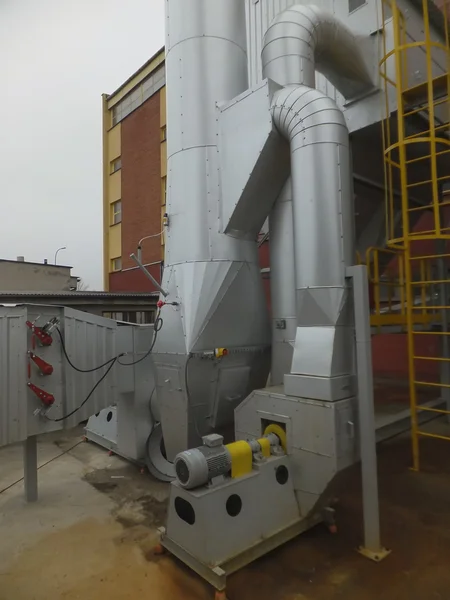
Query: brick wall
(141, 182)
(134, 280)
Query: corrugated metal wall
(13, 414)
(89, 340)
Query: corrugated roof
(84, 295)
(148, 62)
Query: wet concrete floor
(91, 534)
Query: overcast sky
(57, 58)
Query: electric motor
(198, 466)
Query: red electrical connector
(46, 398)
(161, 303)
(44, 367)
(44, 338)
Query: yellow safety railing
(388, 287)
(417, 157)
(386, 273)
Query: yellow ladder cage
(416, 140)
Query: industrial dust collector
(212, 278)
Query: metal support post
(372, 546)
(30, 472)
(149, 275)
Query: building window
(354, 4)
(141, 317)
(116, 264)
(116, 212)
(115, 165)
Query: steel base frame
(375, 555)
(217, 576)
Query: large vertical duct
(206, 62)
(213, 278)
(282, 284)
(299, 41)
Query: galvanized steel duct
(282, 284)
(318, 136)
(300, 41)
(305, 39)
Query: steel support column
(30, 474)
(372, 547)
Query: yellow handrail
(416, 160)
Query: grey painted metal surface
(126, 426)
(372, 542)
(13, 383)
(213, 277)
(102, 429)
(253, 162)
(30, 469)
(266, 508)
(89, 342)
(320, 437)
(217, 576)
(134, 418)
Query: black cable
(78, 369)
(156, 328)
(186, 383)
(44, 465)
(88, 396)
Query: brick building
(134, 177)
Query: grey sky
(58, 56)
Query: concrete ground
(91, 534)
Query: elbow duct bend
(323, 241)
(303, 39)
(320, 170)
(300, 41)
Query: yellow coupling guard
(241, 458)
(278, 431)
(265, 446)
